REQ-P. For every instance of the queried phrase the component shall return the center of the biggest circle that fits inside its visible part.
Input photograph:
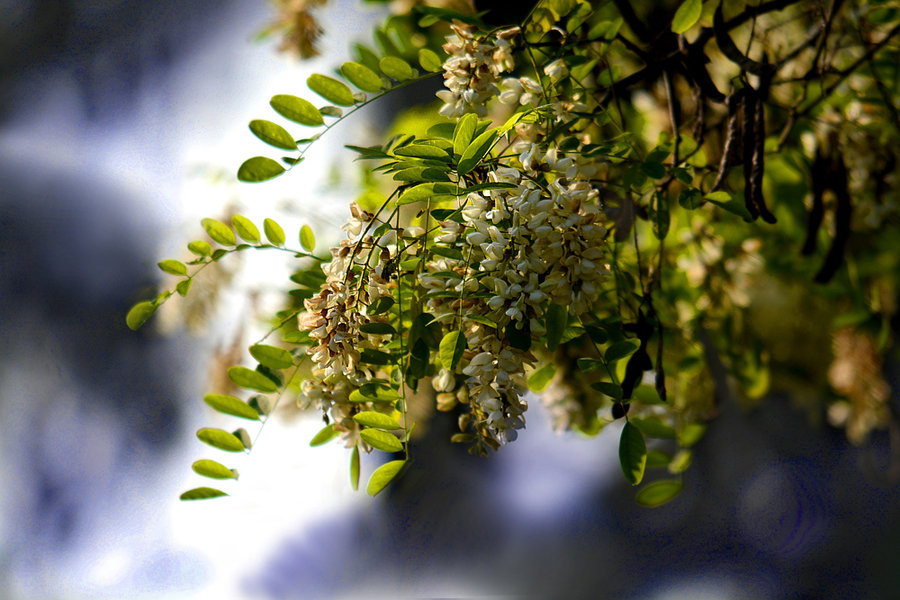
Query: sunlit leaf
(219, 231)
(274, 232)
(202, 493)
(541, 378)
(657, 458)
(476, 151)
(139, 313)
(659, 492)
(377, 420)
(272, 356)
(429, 60)
(220, 439)
(273, 134)
(172, 266)
(331, 89)
(324, 435)
(632, 453)
(212, 469)
(200, 248)
(251, 380)
(307, 238)
(259, 168)
(396, 68)
(451, 349)
(362, 76)
(681, 461)
(245, 228)
(354, 468)
(381, 440)
(687, 15)
(383, 475)
(690, 434)
(463, 133)
(381, 305)
(183, 287)
(426, 191)
(297, 109)
(422, 151)
(230, 405)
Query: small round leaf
(219, 231)
(331, 89)
(396, 68)
(202, 493)
(274, 232)
(361, 76)
(307, 238)
(273, 134)
(259, 168)
(383, 475)
(297, 110)
(245, 228)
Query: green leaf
(609, 389)
(659, 492)
(230, 405)
(383, 475)
(212, 469)
(396, 68)
(202, 493)
(331, 89)
(681, 461)
(362, 76)
(245, 228)
(219, 231)
(259, 168)
(139, 313)
(375, 357)
(273, 134)
(654, 170)
(429, 60)
(371, 418)
(307, 238)
(556, 319)
(200, 248)
(354, 468)
(220, 439)
(632, 453)
(251, 380)
(297, 110)
(172, 267)
(540, 379)
(451, 349)
(476, 151)
(373, 393)
(660, 215)
(725, 201)
(324, 435)
(418, 174)
(272, 356)
(463, 132)
(378, 328)
(274, 232)
(657, 458)
(183, 287)
(422, 151)
(690, 199)
(690, 434)
(426, 191)
(381, 440)
(587, 365)
(381, 305)
(653, 427)
(619, 350)
(687, 15)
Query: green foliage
(593, 218)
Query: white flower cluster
(473, 68)
(523, 247)
(334, 316)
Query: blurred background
(122, 123)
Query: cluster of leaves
(659, 320)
